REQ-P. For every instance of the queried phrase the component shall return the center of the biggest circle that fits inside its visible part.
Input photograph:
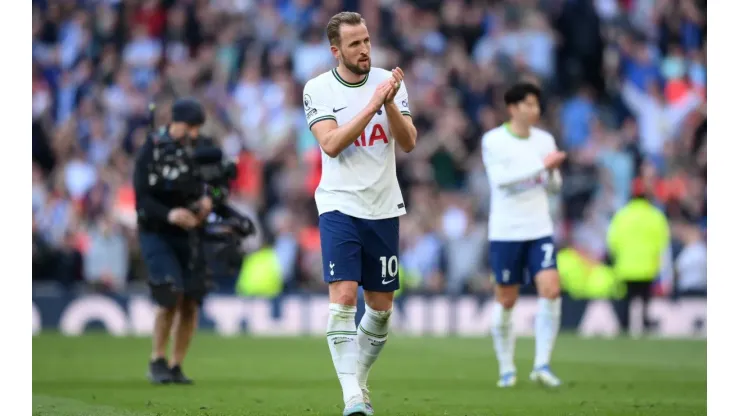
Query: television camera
(204, 166)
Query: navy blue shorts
(363, 251)
(518, 262)
(175, 267)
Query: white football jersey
(520, 208)
(361, 181)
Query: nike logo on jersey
(385, 282)
(336, 110)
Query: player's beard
(356, 69)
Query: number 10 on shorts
(388, 266)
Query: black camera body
(211, 170)
(226, 227)
(172, 169)
(201, 167)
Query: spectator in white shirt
(657, 121)
(691, 263)
(106, 261)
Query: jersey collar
(507, 126)
(349, 84)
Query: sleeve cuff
(322, 118)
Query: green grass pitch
(98, 375)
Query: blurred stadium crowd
(625, 84)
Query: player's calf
(341, 335)
(547, 325)
(502, 330)
(372, 334)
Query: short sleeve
(493, 158)
(315, 104)
(402, 100)
(552, 145)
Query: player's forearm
(402, 128)
(335, 141)
(513, 177)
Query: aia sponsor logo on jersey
(377, 135)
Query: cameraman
(170, 210)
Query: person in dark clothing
(580, 56)
(170, 209)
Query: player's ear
(334, 51)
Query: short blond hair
(339, 19)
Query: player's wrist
(543, 176)
(370, 110)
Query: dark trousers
(635, 290)
(176, 265)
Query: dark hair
(519, 92)
(339, 19)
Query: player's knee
(379, 301)
(506, 302)
(507, 296)
(551, 293)
(548, 284)
(347, 299)
(343, 293)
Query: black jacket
(155, 195)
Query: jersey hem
(519, 239)
(400, 213)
